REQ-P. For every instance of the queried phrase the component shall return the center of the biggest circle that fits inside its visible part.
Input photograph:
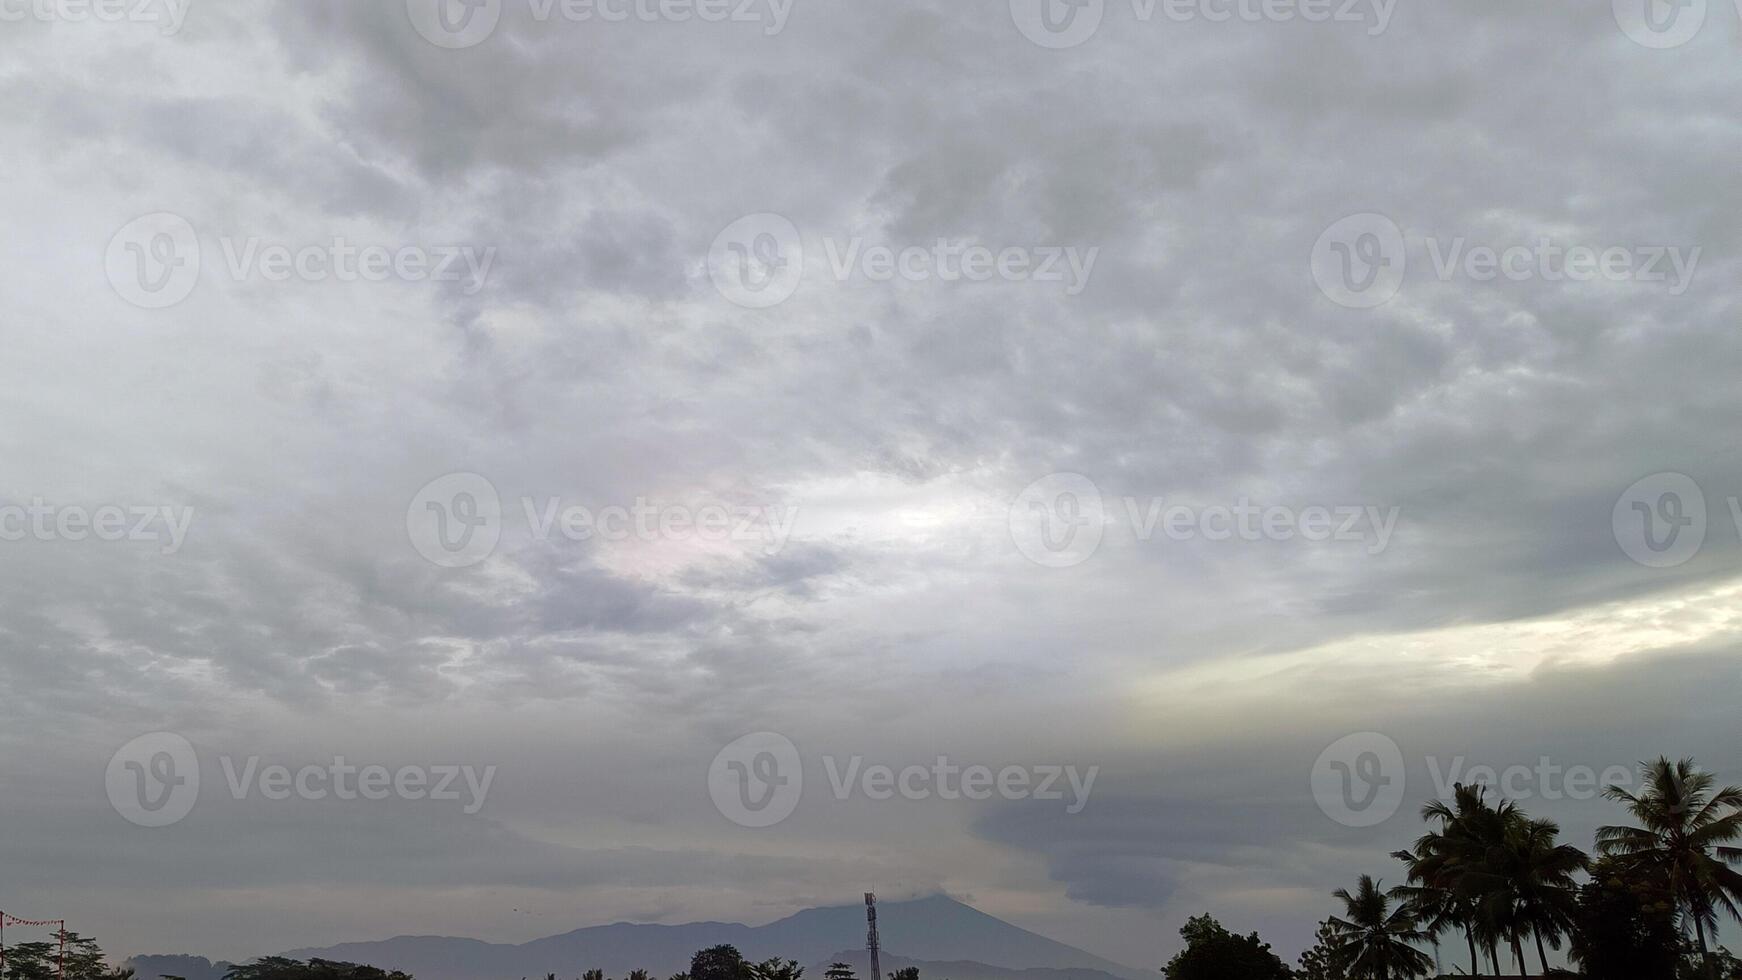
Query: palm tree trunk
(1540, 954)
(1706, 964)
(1518, 954)
(1475, 963)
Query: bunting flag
(60, 960)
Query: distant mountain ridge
(946, 939)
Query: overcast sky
(985, 510)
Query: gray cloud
(598, 366)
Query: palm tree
(1525, 883)
(1542, 883)
(1373, 941)
(1506, 874)
(777, 969)
(1475, 849)
(1683, 837)
(1436, 908)
(1442, 858)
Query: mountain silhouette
(942, 936)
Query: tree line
(85, 961)
(1645, 905)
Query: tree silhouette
(1683, 841)
(1372, 940)
(43, 960)
(1625, 926)
(283, 968)
(1435, 865)
(720, 963)
(1214, 953)
(1528, 883)
(777, 969)
(1315, 963)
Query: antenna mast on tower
(871, 942)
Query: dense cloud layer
(896, 618)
